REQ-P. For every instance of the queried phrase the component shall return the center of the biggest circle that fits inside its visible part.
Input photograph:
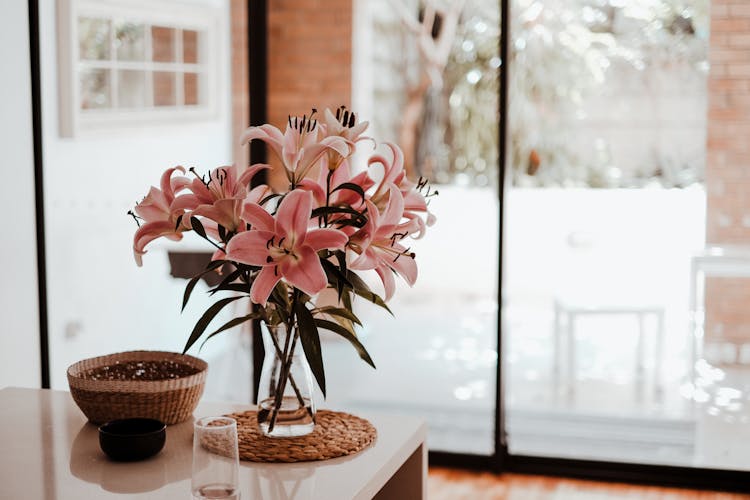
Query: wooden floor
(449, 484)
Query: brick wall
(728, 163)
(309, 58)
(240, 87)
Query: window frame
(73, 120)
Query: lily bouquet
(280, 250)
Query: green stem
(279, 353)
(286, 364)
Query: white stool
(567, 312)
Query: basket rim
(77, 381)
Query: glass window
(93, 39)
(429, 83)
(624, 273)
(163, 44)
(137, 65)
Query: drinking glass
(215, 459)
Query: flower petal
(263, 285)
(224, 212)
(266, 133)
(250, 247)
(149, 232)
(305, 272)
(257, 217)
(166, 180)
(318, 239)
(405, 266)
(293, 215)
(394, 211)
(367, 260)
(389, 284)
(315, 188)
(312, 154)
(249, 173)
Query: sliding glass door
(624, 265)
(426, 77)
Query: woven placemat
(336, 434)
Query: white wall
(19, 316)
(99, 301)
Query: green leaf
(310, 338)
(341, 258)
(339, 311)
(334, 275)
(214, 264)
(361, 289)
(228, 279)
(230, 324)
(198, 227)
(232, 287)
(268, 198)
(320, 211)
(348, 222)
(348, 335)
(203, 322)
(279, 292)
(351, 187)
(346, 299)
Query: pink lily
(395, 175)
(220, 198)
(342, 196)
(298, 148)
(344, 124)
(284, 246)
(376, 244)
(160, 210)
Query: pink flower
(160, 210)
(344, 124)
(298, 148)
(220, 198)
(284, 246)
(341, 196)
(395, 175)
(378, 247)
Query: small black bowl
(132, 439)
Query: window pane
(623, 286)
(93, 38)
(164, 88)
(190, 46)
(95, 89)
(191, 89)
(437, 358)
(163, 44)
(131, 90)
(130, 41)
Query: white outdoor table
(49, 452)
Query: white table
(566, 313)
(49, 451)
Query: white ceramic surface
(51, 452)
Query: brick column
(240, 90)
(309, 58)
(728, 164)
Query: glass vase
(285, 394)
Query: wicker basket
(171, 400)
